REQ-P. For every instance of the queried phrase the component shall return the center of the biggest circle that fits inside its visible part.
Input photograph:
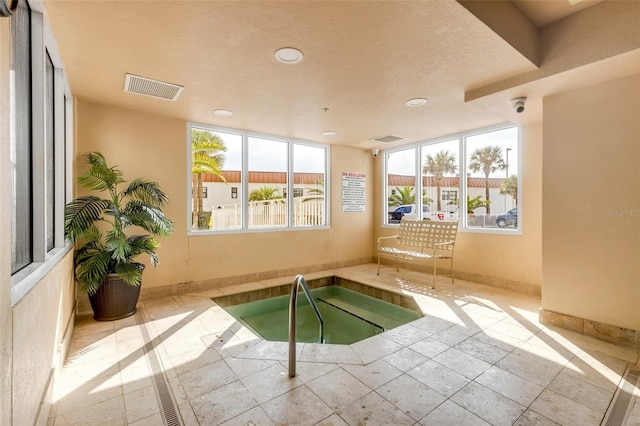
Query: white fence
(271, 213)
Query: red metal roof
(233, 176)
(447, 181)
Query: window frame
(244, 184)
(43, 43)
(462, 167)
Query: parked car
(409, 211)
(509, 218)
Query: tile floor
(479, 356)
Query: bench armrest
(446, 243)
(392, 237)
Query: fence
(270, 213)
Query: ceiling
(362, 62)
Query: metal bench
(420, 240)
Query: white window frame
(244, 185)
(43, 261)
(462, 188)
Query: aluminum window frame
(43, 261)
(462, 187)
(244, 184)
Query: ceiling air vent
(149, 87)
(387, 139)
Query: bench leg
(452, 282)
(378, 264)
(435, 261)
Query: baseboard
(147, 293)
(610, 333)
(518, 286)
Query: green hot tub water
(348, 316)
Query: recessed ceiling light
(416, 101)
(288, 55)
(223, 112)
(329, 133)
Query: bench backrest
(428, 233)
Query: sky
(267, 155)
(270, 155)
(403, 162)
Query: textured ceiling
(362, 61)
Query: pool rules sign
(353, 185)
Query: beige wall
(154, 147)
(503, 260)
(42, 328)
(591, 251)
(147, 146)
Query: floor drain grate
(621, 405)
(168, 409)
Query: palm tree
(206, 157)
(442, 163)
(402, 197)
(510, 187)
(265, 194)
(318, 190)
(476, 203)
(487, 160)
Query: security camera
(375, 152)
(518, 104)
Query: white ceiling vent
(149, 87)
(387, 139)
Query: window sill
(24, 280)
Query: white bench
(420, 240)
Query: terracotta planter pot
(114, 300)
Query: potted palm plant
(105, 257)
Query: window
(276, 183)
(492, 177)
(268, 164)
(309, 177)
(297, 192)
(204, 192)
(450, 196)
(216, 161)
(480, 167)
(50, 169)
(40, 129)
(440, 163)
(21, 141)
(401, 183)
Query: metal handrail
(299, 281)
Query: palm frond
(144, 244)
(91, 271)
(148, 217)
(146, 191)
(91, 237)
(82, 213)
(130, 272)
(118, 246)
(99, 177)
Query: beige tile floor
(479, 356)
